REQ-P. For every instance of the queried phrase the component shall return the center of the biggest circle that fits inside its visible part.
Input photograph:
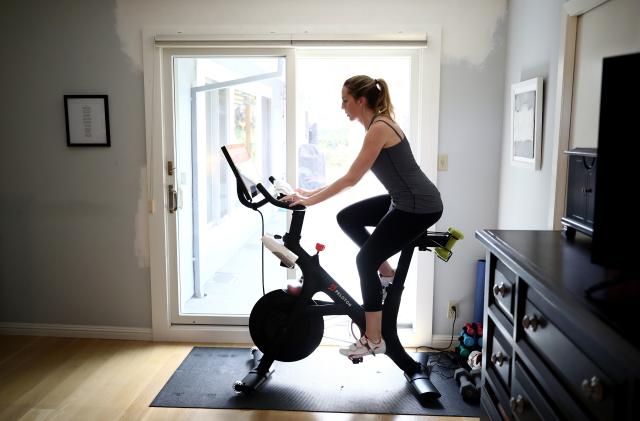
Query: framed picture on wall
(526, 123)
(87, 120)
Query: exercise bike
(289, 327)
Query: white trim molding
(179, 333)
(442, 341)
(580, 7)
(564, 98)
(291, 40)
(573, 9)
(76, 331)
(155, 43)
(427, 152)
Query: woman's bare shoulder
(387, 126)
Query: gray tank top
(410, 189)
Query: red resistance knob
(319, 247)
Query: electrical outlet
(451, 313)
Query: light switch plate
(443, 162)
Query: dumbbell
(445, 252)
(468, 389)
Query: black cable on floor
(455, 317)
(445, 368)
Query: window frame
(424, 132)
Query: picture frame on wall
(526, 123)
(87, 120)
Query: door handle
(173, 199)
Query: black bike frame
(316, 279)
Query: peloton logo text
(334, 288)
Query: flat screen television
(616, 223)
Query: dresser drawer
(527, 401)
(503, 284)
(489, 409)
(499, 356)
(583, 379)
(571, 358)
(494, 394)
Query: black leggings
(395, 229)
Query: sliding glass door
(223, 99)
(284, 107)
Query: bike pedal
(356, 360)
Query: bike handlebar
(274, 201)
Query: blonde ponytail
(375, 91)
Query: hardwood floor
(44, 378)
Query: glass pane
(221, 101)
(327, 145)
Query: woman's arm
(373, 142)
(309, 192)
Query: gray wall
(471, 108)
(73, 234)
(68, 215)
(533, 36)
(532, 50)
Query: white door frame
(159, 238)
(572, 10)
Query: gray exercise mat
(323, 382)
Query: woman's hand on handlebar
(297, 199)
(303, 197)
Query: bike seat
(442, 242)
(431, 239)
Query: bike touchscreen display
(243, 167)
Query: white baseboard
(441, 341)
(77, 331)
(126, 333)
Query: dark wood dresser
(550, 351)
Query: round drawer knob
(498, 359)
(593, 389)
(530, 322)
(500, 289)
(517, 404)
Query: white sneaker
(363, 347)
